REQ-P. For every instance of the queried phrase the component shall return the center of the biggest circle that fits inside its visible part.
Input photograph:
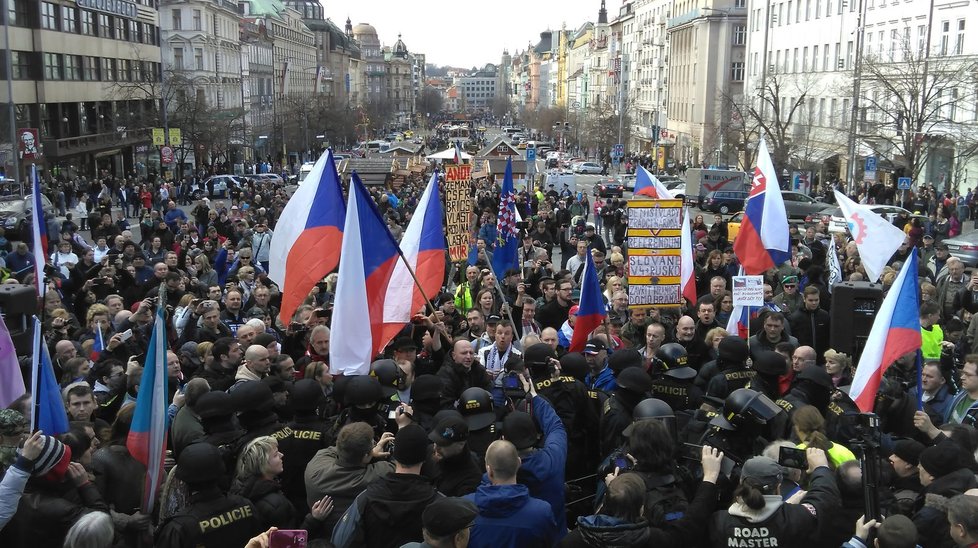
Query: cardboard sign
(748, 290)
(460, 172)
(458, 212)
(653, 252)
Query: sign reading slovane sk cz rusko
(458, 210)
(653, 252)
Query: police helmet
(386, 372)
(362, 390)
(732, 350)
(200, 463)
(816, 375)
(574, 364)
(475, 404)
(671, 356)
(744, 405)
(653, 408)
(537, 360)
(634, 379)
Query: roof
(543, 46)
(364, 28)
(410, 148)
(496, 165)
(366, 166)
(496, 144)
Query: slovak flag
(591, 311)
(648, 185)
(895, 332)
(40, 232)
(366, 265)
(423, 245)
(687, 267)
(763, 241)
(307, 239)
(147, 435)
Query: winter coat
(387, 514)
(542, 470)
(931, 515)
(509, 516)
(457, 379)
(48, 510)
(326, 475)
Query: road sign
(576, 105)
(531, 154)
(618, 151)
(869, 172)
(904, 183)
(176, 136)
(166, 155)
(159, 136)
(871, 163)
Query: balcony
(92, 143)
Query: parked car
(593, 168)
(627, 181)
(610, 188)
(800, 206)
(724, 201)
(733, 225)
(16, 210)
(677, 189)
(964, 247)
(221, 185)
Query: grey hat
(765, 471)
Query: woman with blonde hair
(839, 366)
(713, 338)
(809, 425)
(612, 285)
(256, 478)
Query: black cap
(520, 430)
(594, 346)
(539, 353)
(405, 343)
(214, 404)
(426, 387)
(635, 379)
(253, 396)
(200, 463)
(448, 515)
(769, 362)
(410, 445)
(941, 459)
(475, 404)
(909, 451)
(493, 318)
(264, 339)
(511, 272)
(450, 429)
(306, 395)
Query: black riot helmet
(387, 373)
(670, 356)
(745, 405)
(653, 409)
(475, 404)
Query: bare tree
(740, 130)
(431, 102)
(777, 108)
(912, 102)
(501, 106)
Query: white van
(304, 171)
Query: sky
(465, 34)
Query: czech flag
(739, 322)
(592, 311)
(366, 265)
(147, 435)
(49, 409)
(895, 332)
(648, 185)
(458, 153)
(504, 256)
(763, 241)
(307, 239)
(40, 232)
(99, 345)
(423, 245)
(687, 267)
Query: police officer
(362, 396)
(256, 412)
(426, 399)
(475, 405)
(769, 365)
(740, 430)
(213, 519)
(813, 386)
(672, 381)
(387, 372)
(633, 387)
(307, 434)
(570, 400)
(733, 372)
(216, 411)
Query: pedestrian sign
(904, 183)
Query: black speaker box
(854, 308)
(18, 303)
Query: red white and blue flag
(367, 262)
(49, 413)
(458, 153)
(648, 185)
(504, 256)
(40, 232)
(895, 332)
(423, 245)
(99, 345)
(591, 311)
(763, 241)
(687, 267)
(147, 435)
(307, 239)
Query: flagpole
(509, 313)
(414, 277)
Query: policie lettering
(227, 518)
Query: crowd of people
(478, 426)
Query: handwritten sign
(458, 211)
(461, 172)
(653, 252)
(748, 290)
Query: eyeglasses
(790, 286)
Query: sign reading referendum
(653, 252)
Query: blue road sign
(531, 154)
(904, 183)
(871, 163)
(618, 150)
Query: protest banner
(653, 252)
(748, 290)
(458, 211)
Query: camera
(513, 385)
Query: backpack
(665, 501)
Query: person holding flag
(592, 311)
(763, 241)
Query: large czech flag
(896, 331)
(763, 240)
(648, 185)
(39, 231)
(307, 238)
(592, 311)
(366, 265)
(423, 245)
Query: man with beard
(316, 351)
(456, 471)
(461, 371)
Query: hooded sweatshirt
(509, 516)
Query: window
(828, 8)
(73, 67)
(21, 63)
(821, 111)
(17, 12)
(833, 106)
(804, 60)
(921, 38)
(825, 58)
(49, 16)
(137, 71)
(818, 8)
(125, 70)
(849, 54)
(178, 58)
(120, 29)
(740, 3)
(135, 31)
(198, 59)
(846, 108)
(794, 62)
(69, 19)
(87, 23)
(959, 39)
(52, 66)
(197, 20)
(815, 58)
(894, 43)
(945, 29)
(808, 10)
(91, 69)
(740, 35)
(104, 26)
(737, 71)
(108, 70)
(177, 23)
(952, 112)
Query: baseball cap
(764, 470)
(573, 310)
(594, 346)
(450, 429)
(448, 515)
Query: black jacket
(387, 514)
(811, 329)
(931, 515)
(457, 379)
(46, 512)
(459, 475)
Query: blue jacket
(509, 516)
(543, 470)
(605, 380)
(949, 412)
(939, 404)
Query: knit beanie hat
(53, 461)
(940, 460)
(909, 451)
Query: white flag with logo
(876, 238)
(832, 265)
